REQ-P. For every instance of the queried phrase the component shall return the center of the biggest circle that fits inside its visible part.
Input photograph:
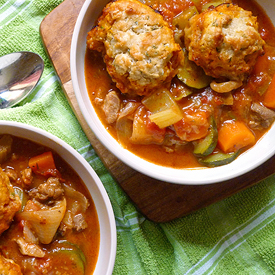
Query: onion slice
(45, 222)
(76, 196)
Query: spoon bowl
(19, 74)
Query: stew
(175, 101)
(48, 221)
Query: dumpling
(10, 202)
(224, 41)
(138, 46)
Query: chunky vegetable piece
(144, 130)
(179, 90)
(218, 159)
(46, 221)
(192, 75)
(269, 96)
(72, 254)
(165, 110)
(43, 164)
(206, 146)
(234, 135)
(181, 20)
(193, 126)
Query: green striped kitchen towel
(234, 236)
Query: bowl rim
(107, 223)
(192, 176)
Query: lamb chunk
(50, 190)
(71, 221)
(263, 111)
(11, 173)
(29, 249)
(27, 177)
(262, 116)
(66, 224)
(79, 222)
(111, 106)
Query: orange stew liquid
(99, 84)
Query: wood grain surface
(158, 201)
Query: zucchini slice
(191, 74)
(206, 146)
(218, 159)
(72, 257)
(181, 20)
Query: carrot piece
(234, 135)
(261, 64)
(43, 163)
(269, 96)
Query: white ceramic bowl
(108, 241)
(247, 161)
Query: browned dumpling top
(138, 46)
(224, 41)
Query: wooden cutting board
(158, 201)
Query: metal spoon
(19, 74)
